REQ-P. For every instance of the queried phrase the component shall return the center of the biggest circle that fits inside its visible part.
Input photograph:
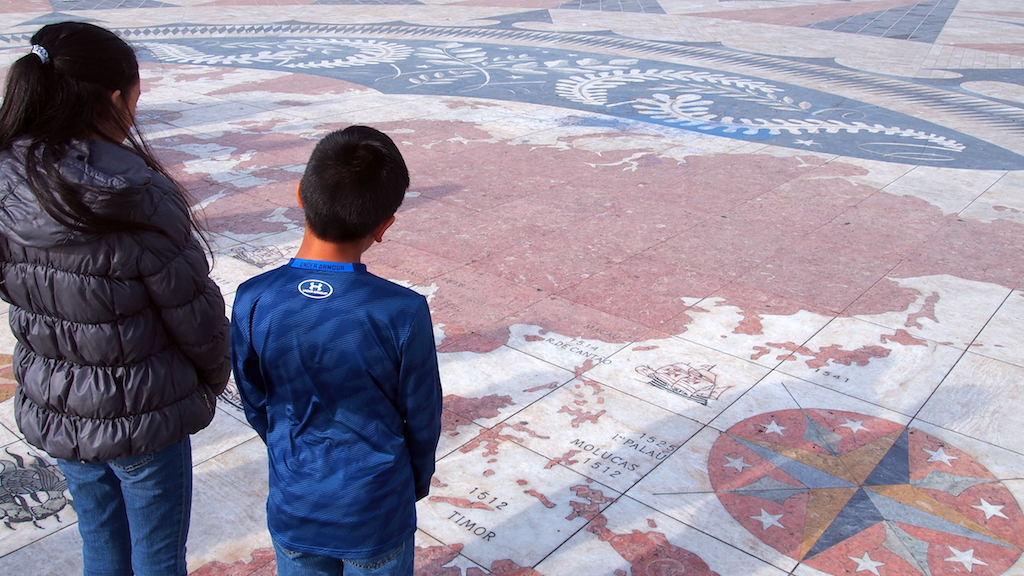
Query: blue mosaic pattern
(643, 6)
(54, 17)
(106, 4)
(922, 22)
(366, 2)
(696, 96)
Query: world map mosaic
(718, 287)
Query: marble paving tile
(985, 210)
(218, 242)
(954, 251)
(457, 233)
(267, 249)
(10, 426)
(517, 513)
(36, 500)
(7, 436)
(780, 392)
(606, 435)
(680, 488)
(228, 271)
(456, 431)
(700, 147)
(1003, 198)
(667, 287)
(884, 224)
(890, 368)
(728, 245)
(487, 388)
(573, 353)
(435, 559)
(8, 385)
(1000, 339)
(392, 108)
(404, 264)
(58, 554)
(949, 190)
(683, 377)
(629, 537)
(229, 506)
(822, 273)
(550, 262)
(216, 117)
(174, 88)
(7, 339)
(978, 399)
(229, 403)
(565, 333)
(876, 174)
(242, 216)
(744, 322)
(942, 308)
(469, 301)
(466, 342)
(223, 434)
(805, 157)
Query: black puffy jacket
(122, 338)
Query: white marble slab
(980, 398)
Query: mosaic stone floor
(719, 286)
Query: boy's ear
(298, 193)
(378, 234)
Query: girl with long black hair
(122, 340)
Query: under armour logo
(315, 289)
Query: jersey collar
(326, 266)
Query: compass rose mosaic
(848, 493)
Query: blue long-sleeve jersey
(337, 371)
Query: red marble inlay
(460, 411)
(430, 561)
(492, 438)
(650, 553)
(262, 564)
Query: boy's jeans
(133, 513)
(395, 562)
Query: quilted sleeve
(176, 275)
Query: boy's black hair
(355, 180)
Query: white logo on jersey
(315, 289)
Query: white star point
(807, 143)
(774, 428)
(855, 425)
(866, 564)
(964, 557)
(768, 520)
(737, 463)
(941, 456)
(990, 510)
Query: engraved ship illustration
(697, 383)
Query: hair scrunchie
(44, 56)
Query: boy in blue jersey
(337, 371)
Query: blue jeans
(397, 561)
(133, 513)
